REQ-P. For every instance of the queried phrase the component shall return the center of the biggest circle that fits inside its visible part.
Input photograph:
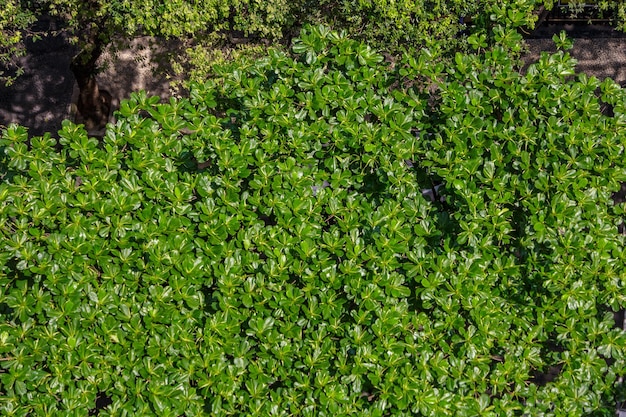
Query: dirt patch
(44, 95)
(144, 64)
(41, 97)
(599, 50)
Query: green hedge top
(323, 234)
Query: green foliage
(93, 25)
(265, 247)
(529, 164)
(443, 27)
(179, 17)
(393, 26)
(202, 59)
(13, 21)
(436, 24)
(613, 10)
(616, 11)
(106, 20)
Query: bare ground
(40, 98)
(44, 95)
(600, 52)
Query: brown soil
(600, 51)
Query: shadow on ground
(40, 98)
(142, 64)
(599, 50)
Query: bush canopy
(323, 233)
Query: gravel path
(42, 97)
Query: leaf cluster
(612, 10)
(323, 233)
(442, 26)
(14, 20)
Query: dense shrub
(441, 25)
(395, 27)
(324, 235)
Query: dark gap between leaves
(102, 402)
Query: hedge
(323, 233)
